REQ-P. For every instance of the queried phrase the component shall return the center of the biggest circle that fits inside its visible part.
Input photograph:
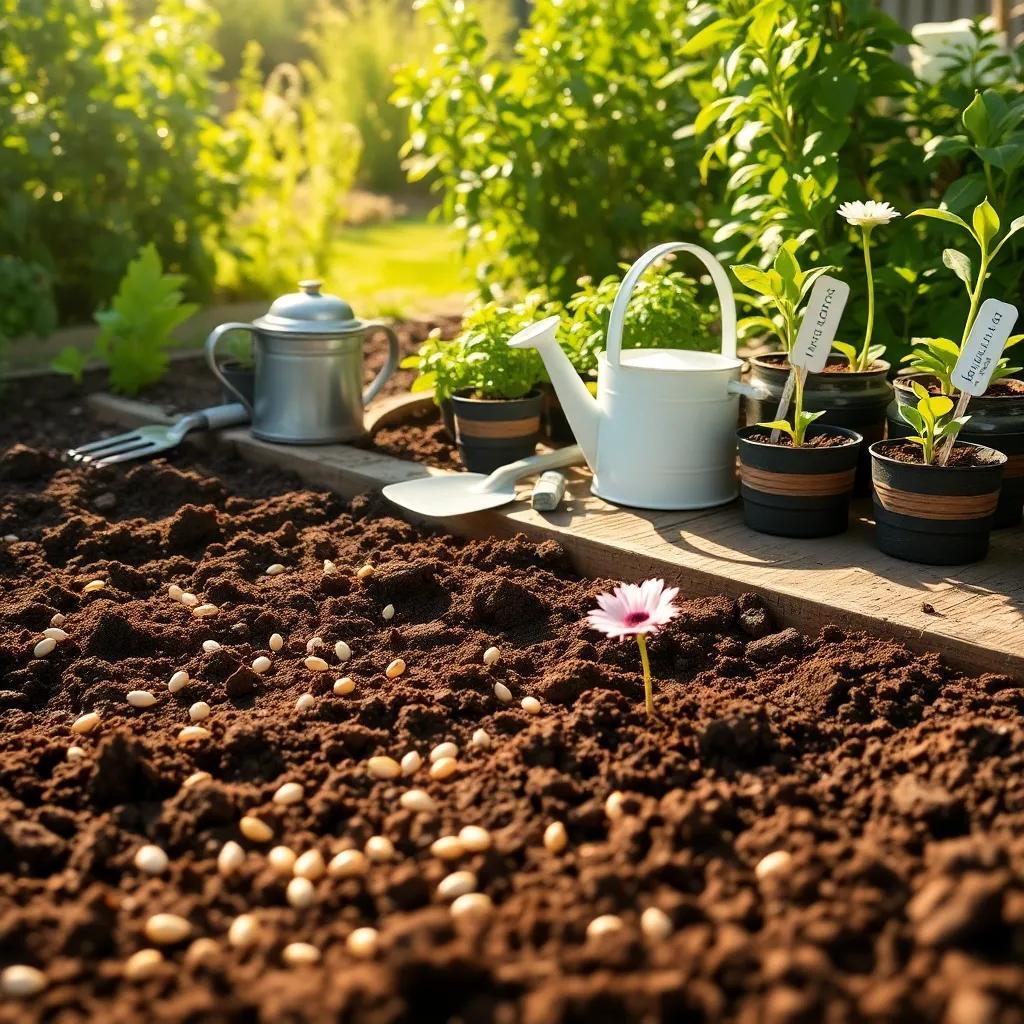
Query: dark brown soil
(1008, 387)
(421, 438)
(962, 456)
(835, 364)
(818, 441)
(894, 783)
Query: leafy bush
(108, 140)
(26, 299)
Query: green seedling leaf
(943, 215)
(960, 264)
(986, 223)
(71, 361)
(976, 121)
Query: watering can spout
(578, 404)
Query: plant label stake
(814, 339)
(978, 358)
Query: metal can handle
(726, 299)
(390, 364)
(211, 358)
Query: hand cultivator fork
(149, 440)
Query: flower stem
(862, 362)
(641, 642)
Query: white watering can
(661, 433)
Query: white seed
(475, 838)
(255, 829)
(202, 951)
(772, 863)
(655, 924)
(300, 893)
(230, 858)
(448, 749)
(199, 711)
(556, 839)
(189, 600)
(298, 954)
(348, 864)
(261, 664)
(289, 793)
(54, 633)
(315, 664)
(481, 738)
(211, 646)
(342, 651)
(379, 849)
(193, 732)
(448, 848)
(411, 762)
(19, 981)
(613, 806)
(310, 864)
(276, 641)
(151, 859)
(282, 859)
(143, 964)
(178, 681)
(174, 592)
(305, 702)
(243, 931)
(344, 686)
(363, 943)
(444, 768)
(457, 884)
(85, 723)
(205, 611)
(329, 567)
(10, 538)
(491, 656)
(58, 619)
(603, 925)
(76, 754)
(530, 705)
(275, 570)
(471, 908)
(383, 768)
(44, 647)
(418, 800)
(503, 693)
(313, 643)
(389, 612)
(93, 585)
(364, 571)
(141, 698)
(395, 669)
(196, 778)
(166, 929)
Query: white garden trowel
(456, 494)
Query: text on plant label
(984, 346)
(820, 323)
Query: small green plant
(135, 331)
(932, 420)
(797, 430)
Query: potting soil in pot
(828, 827)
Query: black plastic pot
(937, 515)
(241, 377)
(997, 421)
(797, 492)
(448, 418)
(854, 401)
(491, 433)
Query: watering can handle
(718, 275)
(211, 359)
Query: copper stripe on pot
(496, 429)
(809, 485)
(949, 507)
(1014, 466)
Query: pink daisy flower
(633, 609)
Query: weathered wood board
(978, 611)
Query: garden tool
(145, 441)
(308, 358)
(661, 433)
(456, 494)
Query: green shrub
(26, 300)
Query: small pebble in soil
(381, 767)
(556, 839)
(344, 686)
(85, 723)
(446, 749)
(196, 778)
(151, 859)
(261, 664)
(55, 633)
(274, 570)
(282, 860)
(310, 864)
(363, 943)
(364, 571)
(655, 924)
(178, 681)
(457, 884)
(58, 619)
(471, 908)
(276, 642)
(481, 738)
(503, 693)
(315, 664)
(342, 651)
(288, 793)
(143, 964)
(192, 733)
(202, 951)
(613, 806)
(300, 893)
(305, 702)
(255, 829)
(491, 656)
(530, 705)
(243, 931)
(329, 567)
(211, 646)
(205, 611)
(772, 863)
(379, 849)
(444, 769)
(76, 754)
(230, 858)
(395, 669)
(20, 981)
(298, 954)
(448, 848)
(418, 800)
(174, 592)
(105, 502)
(475, 838)
(44, 647)
(313, 643)
(199, 711)
(167, 929)
(603, 925)
(93, 585)
(141, 698)
(189, 600)
(389, 612)
(348, 864)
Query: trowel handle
(507, 475)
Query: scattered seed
(282, 859)
(655, 924)
(211, 646)
(348, 864)
(329, 567)
(344, 686)
(174, 592)
(276, 642)
(379, 849)
(603, 925)
(204, 611)
(141, 699)
(471, 908)
(189, 600)
(418, 800)
(143, 964)
(305, 702)
(166, 929)
(448, 848)
(613, 806)
(381, 767)
(457, 884)
(230, 858)
(55, 633)
(530, 705)
(772, 863)
(19, 981)
(93, 585)
(178, 681)
(298, 954)
(274, 570)
(503, 693)
(201, 951)
(261, 664)
(151, 859)
(315, 664)
(412, 762)
(342, 651)
(491, 656)
(481, 738)
(58, 619)
(556, 839)
(310, 864)
(193, 732)
(313, 643)
(85, 723)
(300, 893)
(199, 711)
(44, 647)
(76, 754)
(243, 931)
(475, 838)
(444, 768)
(389, 612)
(255, 829)
(395, 669)
(447, 749)
(10, 538)
(289, 793)
(363, 943)
(364, 571)
(195, 778)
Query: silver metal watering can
(308, 358)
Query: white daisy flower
(868, 214)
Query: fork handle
(214, 418)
